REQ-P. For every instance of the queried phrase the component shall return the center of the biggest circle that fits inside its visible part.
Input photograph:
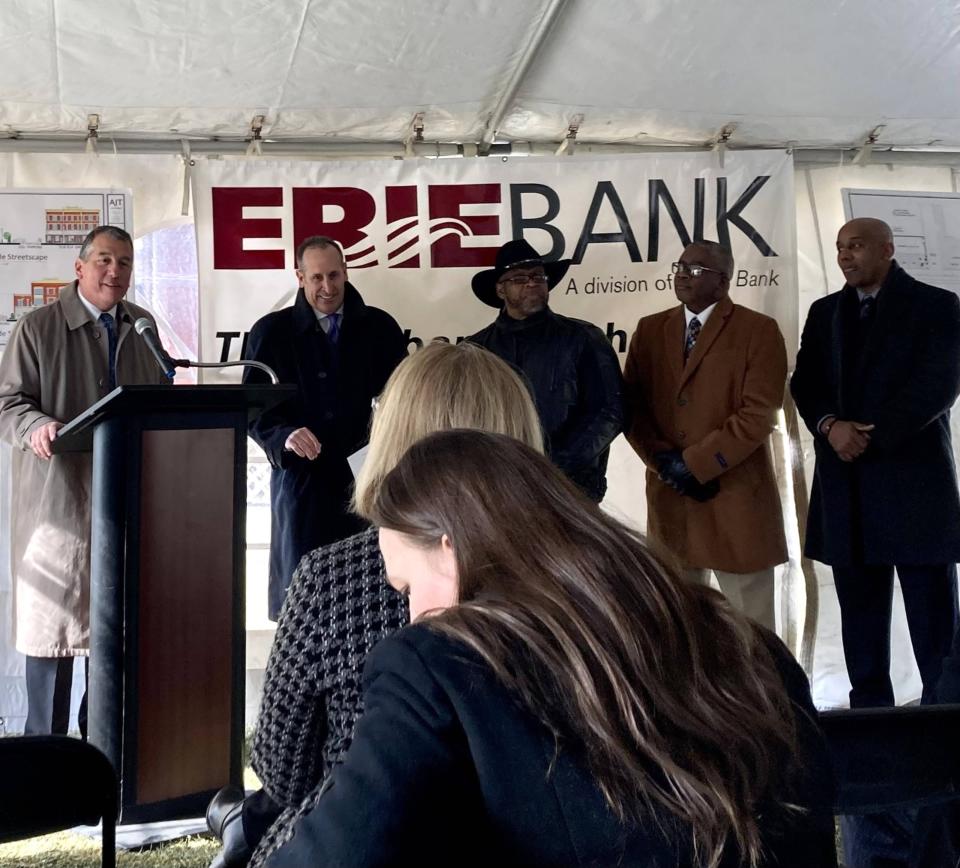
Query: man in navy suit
(877, 373)
(339, 351)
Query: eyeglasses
(693, 270)
(524, 279)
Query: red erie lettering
(445, 201)
(230, 228)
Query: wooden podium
(167, 578)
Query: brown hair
(673, 697)
(440, 387)
(316, 242)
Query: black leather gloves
(673, 470)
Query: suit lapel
(711, 331)
(674, 333)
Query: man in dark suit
(877, 373)
(340, 352)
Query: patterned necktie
(693, 332)
(111, 328)
(868, 307)
(333, 334)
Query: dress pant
(49, 682)
(866, 602)
(752, 594)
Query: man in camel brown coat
(704, 382)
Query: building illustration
(70, 225)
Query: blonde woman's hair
(439, 387)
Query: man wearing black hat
(570, 365)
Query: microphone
(144, 328)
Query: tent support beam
(550, 15)
(327, 149)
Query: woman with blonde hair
(563, 698)
(339, 604)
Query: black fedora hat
(514, 254)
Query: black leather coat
(576, 381)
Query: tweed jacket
(54, 367)
(338, 607)
(719, 409)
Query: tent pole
(534, 45)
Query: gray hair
(720, 254)
(115, 232)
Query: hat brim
(484, 283)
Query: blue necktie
(111, 328)
(334, 333)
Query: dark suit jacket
(902, 491)
(336, 384)
(447, 769)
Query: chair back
(887, 758)
(54, 782)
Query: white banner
(416, 231)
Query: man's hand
(849, 439)
(41, 439)
(673, 470)
(302, 442)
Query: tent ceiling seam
(535, 43)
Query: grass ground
(71, 850)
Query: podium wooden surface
(167, 579)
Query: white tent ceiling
(820, 73)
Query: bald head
(869, 227)
(865, 252)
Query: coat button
(322, 375)
(328, 415)
(682, 435)
(682, 401)
(100, 383)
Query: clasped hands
(849, 439)
(673, 470)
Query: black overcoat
(902, 491)
(336, 384)
(446, 768)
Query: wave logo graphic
(404, 242)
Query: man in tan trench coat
(57, 364)
(704, 382)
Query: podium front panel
(184, 612)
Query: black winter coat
(576, 381)
(447, 769)
(902, 492)
(336, 385)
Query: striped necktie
(693, 332)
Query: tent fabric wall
(818, 73)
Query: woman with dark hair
(339, 604)
(563, 699)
